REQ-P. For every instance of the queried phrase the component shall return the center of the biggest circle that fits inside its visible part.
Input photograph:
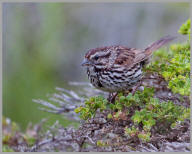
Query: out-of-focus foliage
(34, 59)
(174, 65)
(12, 135)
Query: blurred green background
(44, 44)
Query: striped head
(101, 58)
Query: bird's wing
(128, 57)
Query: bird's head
(97, 57)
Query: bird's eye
(96, 57)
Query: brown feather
(145, 54)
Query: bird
(119, 68)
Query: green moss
(185, 28)
(6, 148)
(91, 106)
(148, 112)
(101, 143)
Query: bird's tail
(156, 45)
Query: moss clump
(6, 148)
(185, 29)
(91, 106)
(174, 65)
(141, 110)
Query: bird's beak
(86, 62)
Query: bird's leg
(112, 97)
(109, 97)
(134, 89)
